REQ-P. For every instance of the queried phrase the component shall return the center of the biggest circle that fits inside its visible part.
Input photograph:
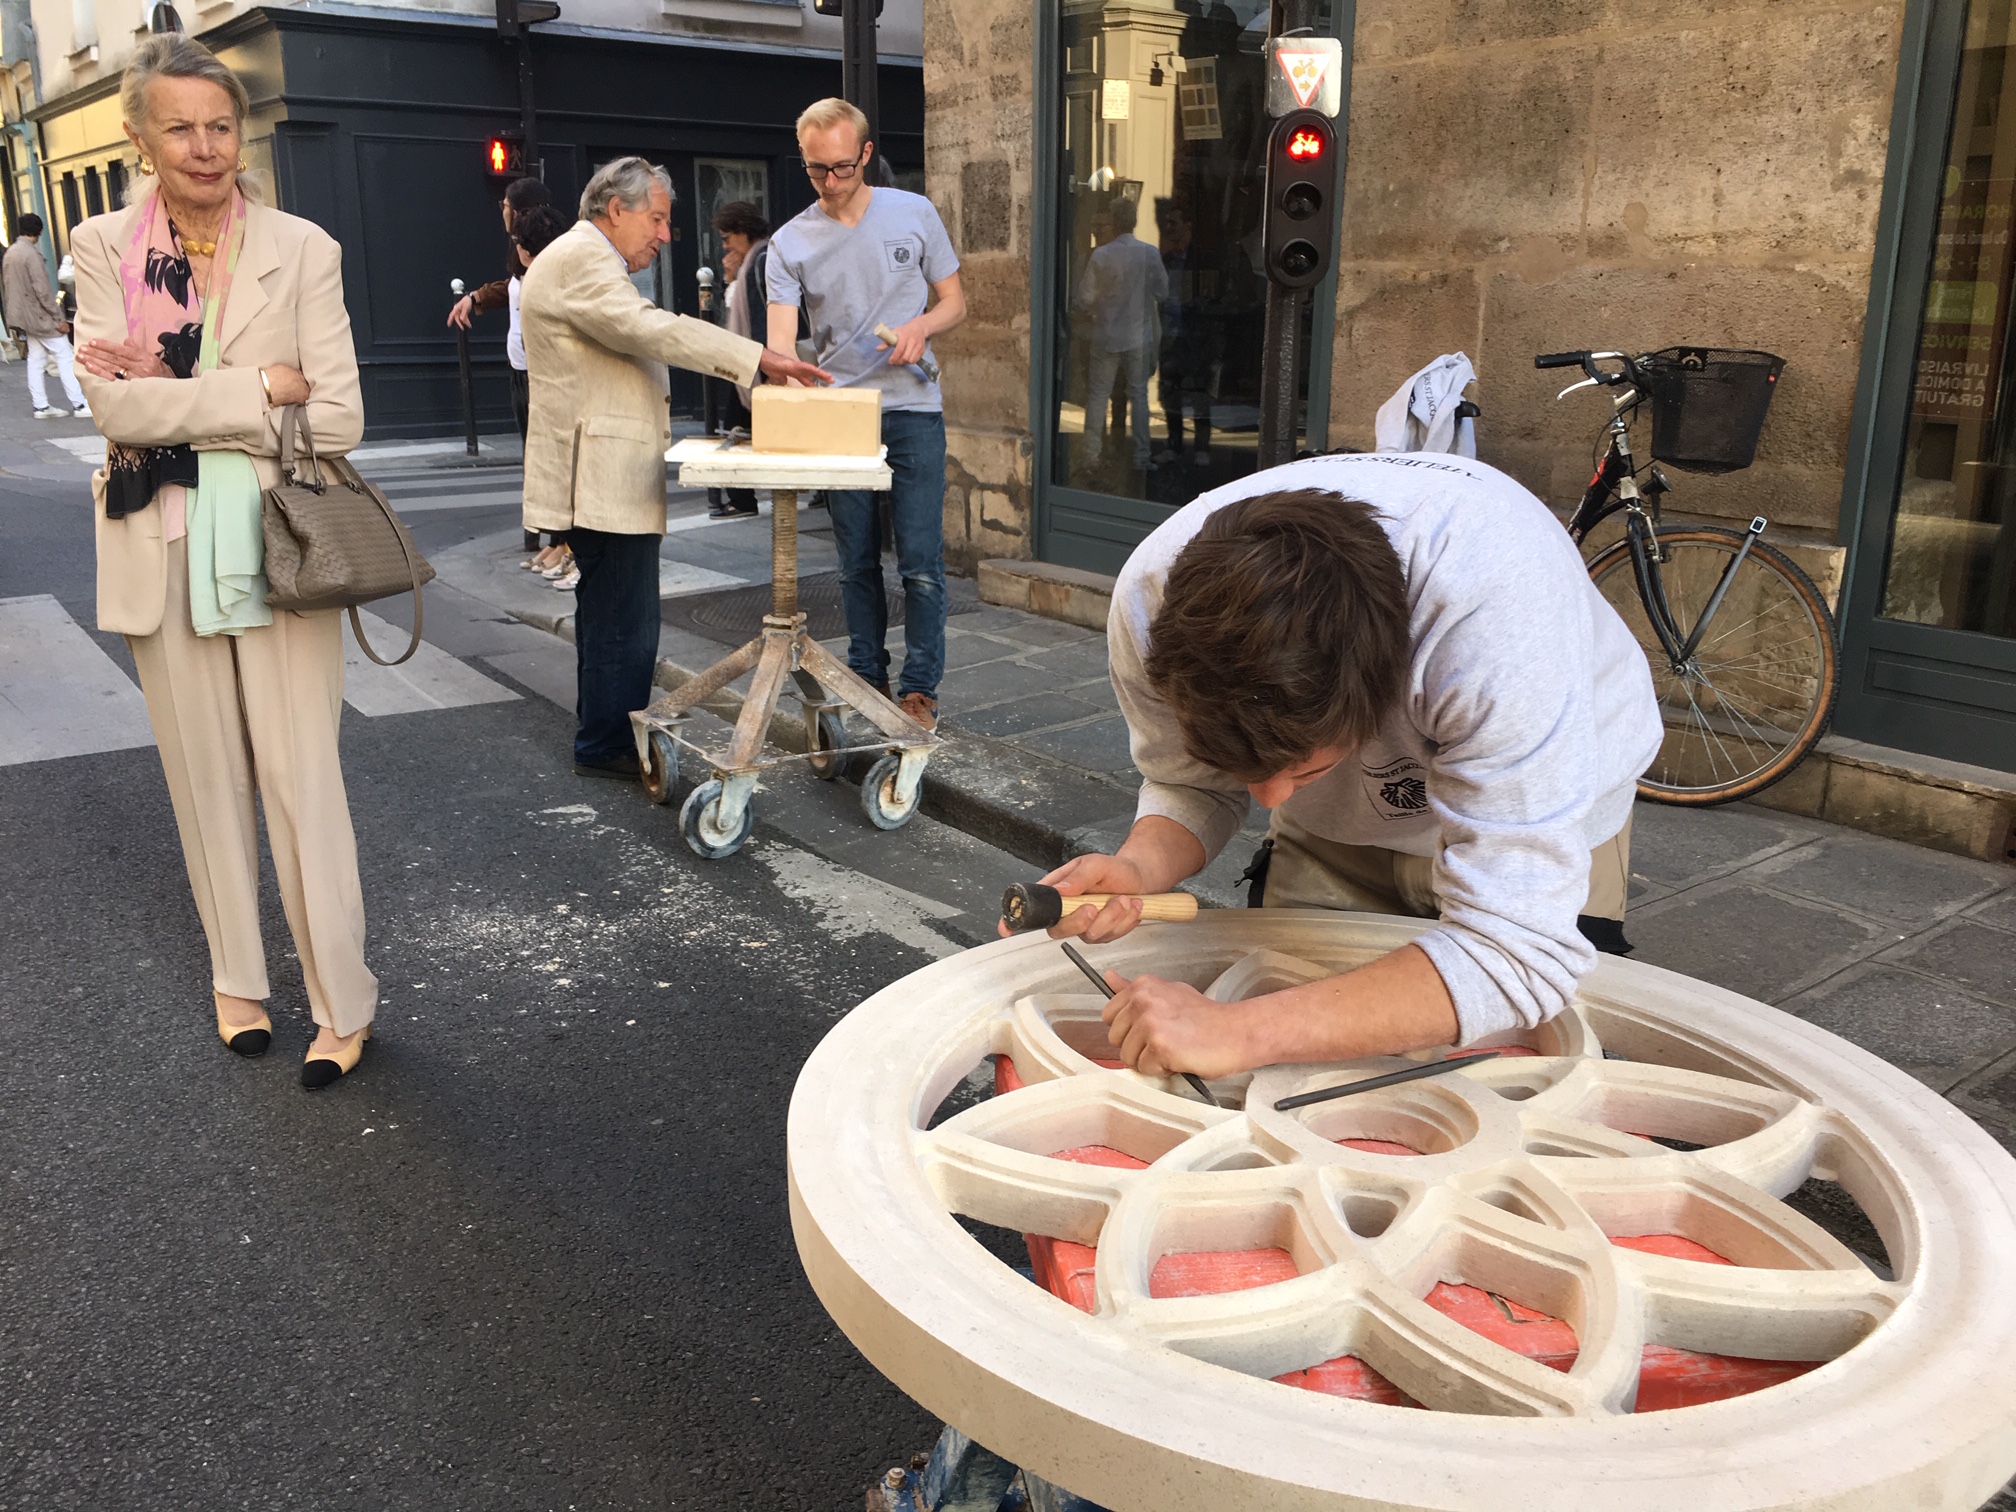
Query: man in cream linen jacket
(596, 351)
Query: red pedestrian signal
(1301, 199)
(504, 155)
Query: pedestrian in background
(520, 197)
(745, 243)
(1122, 289)
(33, 312)
(204, 313)
(860, 257)
(532, 233)
(596, 351)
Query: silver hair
(628, 179)
(171, 55)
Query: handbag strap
(419, 598)
(290, 416)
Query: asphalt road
(535, 1253)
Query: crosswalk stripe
(442, 503)
(431, 680)
(60, 694)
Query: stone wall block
(1812, 318)
(1390, 323)
(1762, 136)
(1397, 29)
(1464, 155)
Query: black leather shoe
(731, 512)
(623, 768)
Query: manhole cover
(734, 615)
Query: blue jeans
(615, 638)
(916, 442)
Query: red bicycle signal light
(1301, 199)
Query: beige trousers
(261, 708)
(1310, 872)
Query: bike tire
(1784, 656)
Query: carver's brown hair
(1283, 629)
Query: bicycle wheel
(1755, 696)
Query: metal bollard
(468, 384)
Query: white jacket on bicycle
(1528, 715)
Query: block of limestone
(822, 422)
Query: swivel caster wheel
(878, 796)
(828, 738)
(661, 767)
(700, 822)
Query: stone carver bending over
(596, 350)
(1403, 658)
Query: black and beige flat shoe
(320, 1071)
(245, 1039)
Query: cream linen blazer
(285, 308)
(596, 350)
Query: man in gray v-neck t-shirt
(859, 258)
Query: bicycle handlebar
(1560, 359)
(1627, 371)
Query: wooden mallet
(1031, 905)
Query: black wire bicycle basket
(1708, 405)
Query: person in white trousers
(32, 310)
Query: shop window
(115, 183)
(94, 193)
(73, 207)
(1952, 559)
(1159, 307)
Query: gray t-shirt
(849, 278)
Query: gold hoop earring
(146, 167)
(243, 166)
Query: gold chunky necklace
(190, 244)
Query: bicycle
(1740, 643)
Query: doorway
(1929, 615)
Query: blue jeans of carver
(916, 442)
(615, 638)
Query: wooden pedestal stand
(717, 816)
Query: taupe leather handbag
(332, 540)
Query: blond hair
(831, 111)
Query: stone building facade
(1524, 176)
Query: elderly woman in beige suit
(202, 313)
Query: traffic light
(504, 156)
(1301, 185)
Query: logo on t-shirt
(902, 256)
(1399, 789)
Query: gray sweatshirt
(1527, 717)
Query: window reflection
(1160, 301)
(1953, 539)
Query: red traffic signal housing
(1301, 198)
(504, 155)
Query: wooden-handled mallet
(1031, 905)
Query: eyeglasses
(841, 171)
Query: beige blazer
(285, 308)
(24, 289)
(596, 350)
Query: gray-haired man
(596, 350)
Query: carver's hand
(458, 313)
(1160, 1027)
(910, 339)
(781, 369)
(1100, 874)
